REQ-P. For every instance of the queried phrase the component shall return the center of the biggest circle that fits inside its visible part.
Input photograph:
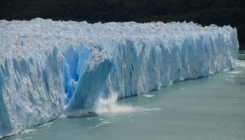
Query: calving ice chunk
(49, 68)
(90, 83)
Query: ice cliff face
(51, 68)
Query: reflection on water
(208, 108)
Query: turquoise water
(210, 108)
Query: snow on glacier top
(39, 34)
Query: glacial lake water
(211, 108)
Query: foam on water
(144, 109)
(103, 123)
(110, 106)
(149, 96)
(28, 131)
(240, 63)
(236, 72)
(46, 124)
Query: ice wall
(49, 68)
(29, 91)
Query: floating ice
(149, 96)
(48, 68)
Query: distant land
(204, 12)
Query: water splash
(110, 106)
(240, 63)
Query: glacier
(50, 68)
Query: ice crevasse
(49, 68)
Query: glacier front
(50, 68)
